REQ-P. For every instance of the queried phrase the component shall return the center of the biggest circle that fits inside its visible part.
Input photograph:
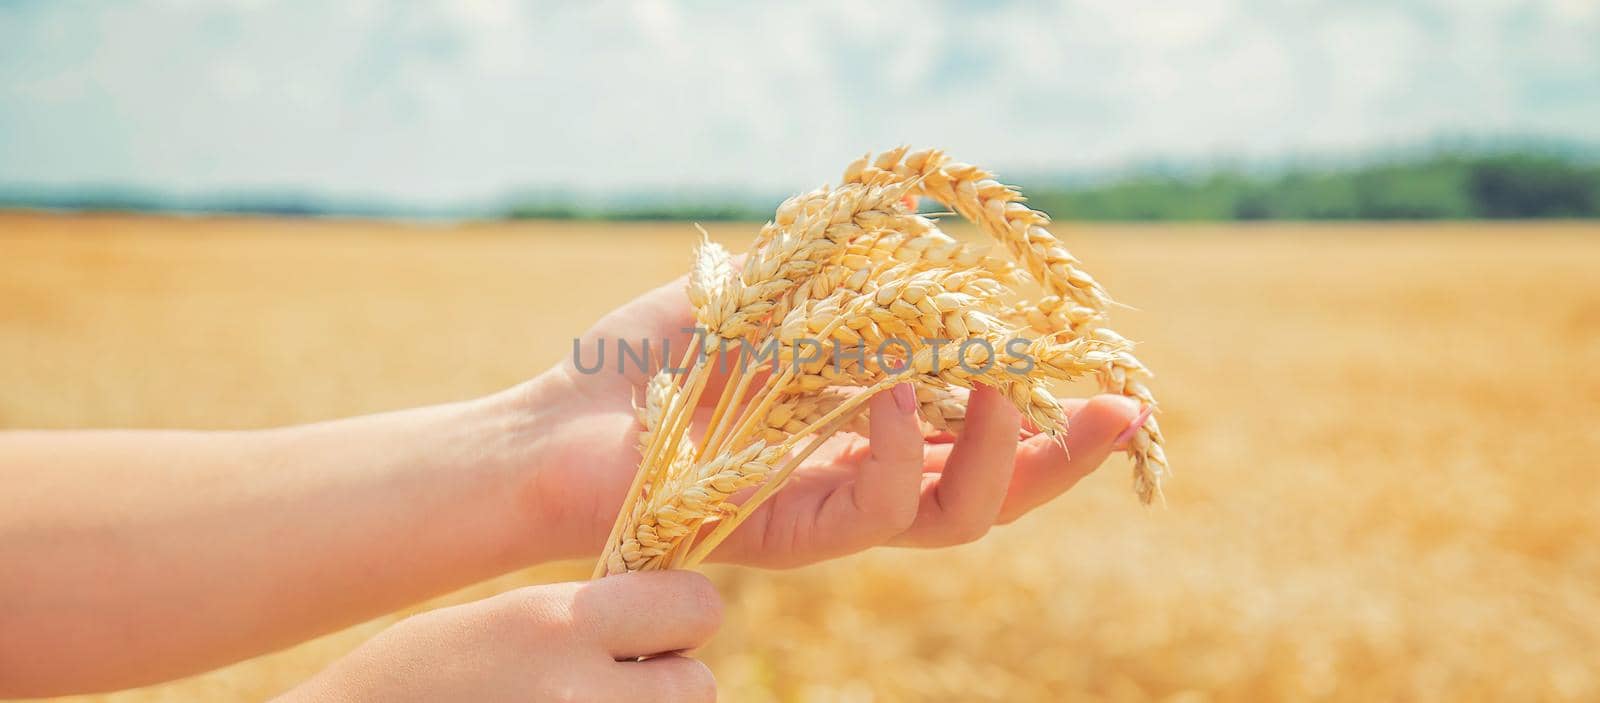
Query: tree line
(1444, 186)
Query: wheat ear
(998, 210)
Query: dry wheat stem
(839, 416)
(647, 547)
(720, 421)
(664, 440)
(748, 423)
(634, 488)
(676, 519)
(660, 528)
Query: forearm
(136, 556)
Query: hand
(899, 488)
(567, 641)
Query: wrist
(521, 429)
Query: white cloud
(439, 101)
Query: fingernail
(1122, 440)
(904, 398)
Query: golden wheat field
(1386, 439)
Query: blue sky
(436, 102)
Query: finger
(672, 678)
(639, 614)
(1045, 469)
(895, 437)
(878, 501)
(961, 503)
(882, 500)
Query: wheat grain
(659, 529)
(798, 411)
(942, 409)
(713, 284)
(1051, 314)
(799, 250)
(657, 396)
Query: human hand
(565, 641)
(898, 488)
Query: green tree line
(1435, 187)
(1514, 183)
(1428, 187)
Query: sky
(439, 101)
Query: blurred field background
(1384, 436)
(1362, 241)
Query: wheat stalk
(660, 528)
(900, 301)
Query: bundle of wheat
(848, 291)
